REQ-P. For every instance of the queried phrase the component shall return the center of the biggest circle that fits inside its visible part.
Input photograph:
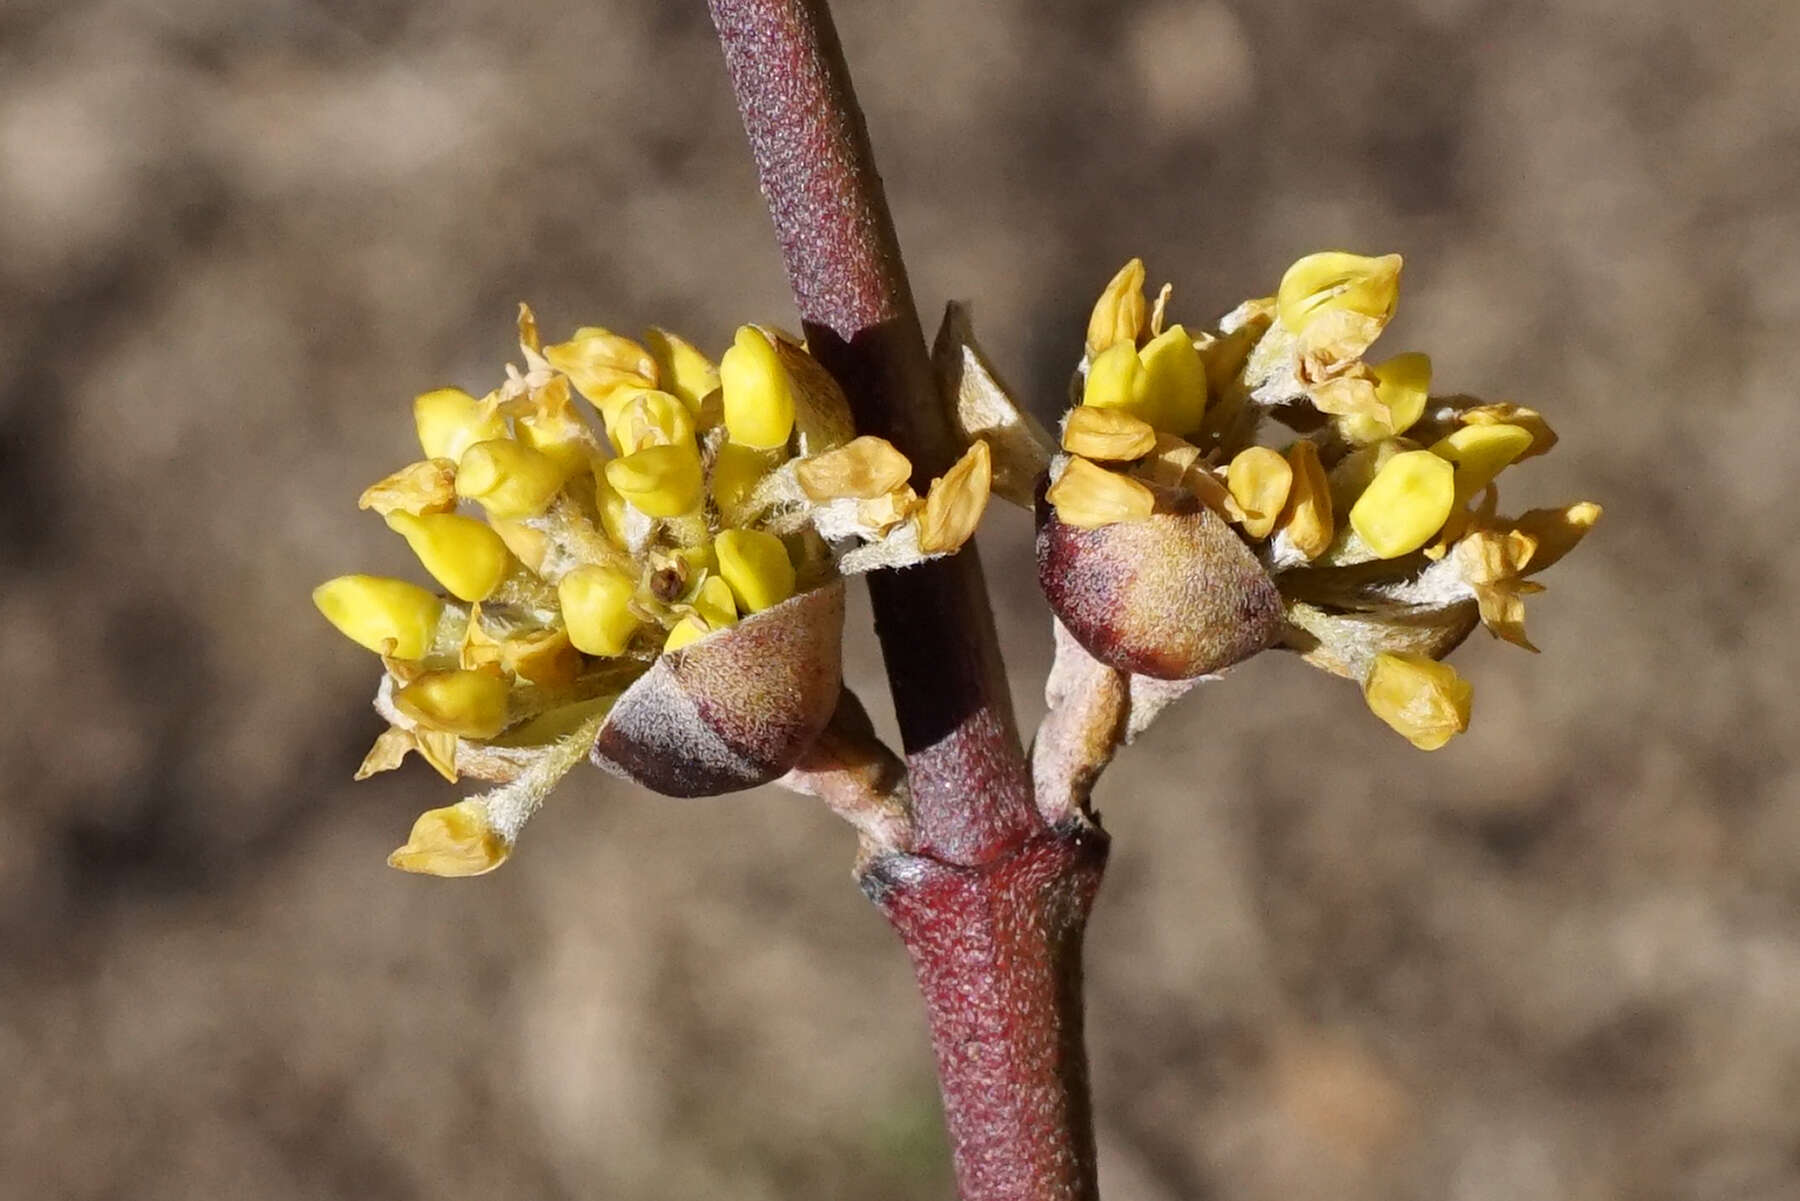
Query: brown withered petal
(863, 468)
(736, 709)
(955, 501)
(1345, 644)
(1172, 596)
(428, 486)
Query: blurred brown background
(1559, 960)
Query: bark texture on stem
(997, 952)
(971, 787)
(989, 900)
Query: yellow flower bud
(1116, 379)
(469, 704)
(389, 617)
(1306, 518)
(863, 468)
(1088, 496)
(1111, 435)
(461, 553)
(454, 841)
(756, 566)
(955, 501)
(1336, 281)
(687, 631)
(1407, 502)
(1480, 452)
(1542, 436)
(649, 419)
(714, 603)
(528, 546)
(682, 369)
(508, 479)
(662, 481)
(1175, 381)
(759, 394)
(599, 363)
(450, 421)
(610, 504)
(736, 471)
(596, 609)
(1424, 700)
(556, 430)
(1118, 315)
(1259, 480)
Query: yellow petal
(1116, 379)
(1425, 701)
(1335, 281)
(1175, 381)
(1118, 315)
(600, 363)
(1259, 479)
(649, 419)
(1480, 452)
(736, 471)
(1407, 502)
(387, 616)
(453, 841)
(424, 487)
(450, 421)
(1556, 531)
(864, 468)
(954, 502)
(1542, 436)
(1110, 435)
(687, 631)
(1088, 496)
(1306, 517)
(714, 604)
(685, 372)
(469, 704)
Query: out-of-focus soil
(1559, 960)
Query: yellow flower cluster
(586, 549)
(1369, 502)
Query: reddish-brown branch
(990, 902)
(971, 787)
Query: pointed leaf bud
(1425, 701)
(462, 554)
(735, 709)
(1407, 502)
(1170, 595)
(759, 395)
(507, 479)
(390, 617)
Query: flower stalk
(990, 901)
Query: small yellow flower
(1426, 702)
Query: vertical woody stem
(989, 901)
